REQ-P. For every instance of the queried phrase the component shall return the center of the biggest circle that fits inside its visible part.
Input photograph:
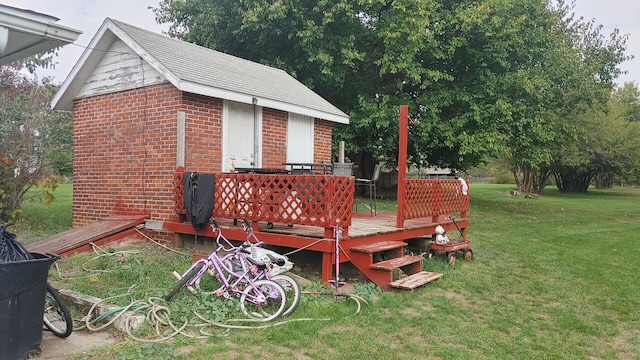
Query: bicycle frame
(261, 299)
(215, 266)
(275, 265)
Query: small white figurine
(441, 235)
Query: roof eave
(90, 58)
(40, 32)
(206, 90)
(63, 100)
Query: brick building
(145, 104)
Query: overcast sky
(88, 15)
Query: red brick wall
(274, 138)
(125, 148)
(322, 141)
(120, 158)
(203, 128)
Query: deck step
(396, 263)
(418, 279)
(379, 246)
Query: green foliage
(32, 137)
(606, 150)
(482, 79)
(629, 97)
(132, 350)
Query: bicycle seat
(260, 264)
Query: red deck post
(328, 261)
(402, 163)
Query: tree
(629, 97)
(609, 149)
(30, 133)
(481, 78)
(366, 57)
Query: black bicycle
(57, 317)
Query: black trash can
(23, 285)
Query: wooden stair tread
(395, 263)
(418, 279)
(379, 246)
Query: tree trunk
(528, 179)
(604, 181)
(516, 180)
(573, 182)
(541, 181)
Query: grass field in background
(553, 277)
(39, 220)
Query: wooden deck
(298, 211)
(373, 244)
(105, 231)
(365, 226)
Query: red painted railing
(434, 197)
(319, 200)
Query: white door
(300, 139)
(240, 124)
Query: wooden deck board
(396, 263)
(362, 226)
(80, 236)
(416, 280)
(379, 246)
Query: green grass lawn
(553, 277)
(39, 220)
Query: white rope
(161, 245)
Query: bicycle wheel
(291, 289)
(57, 317)
(185, 279)
(263, 300)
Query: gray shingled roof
(200, 65)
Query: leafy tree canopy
(481, 78)
(33, 136)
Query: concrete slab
(78, 343)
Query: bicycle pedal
(191, 289)
(176, 275)
(340, 283)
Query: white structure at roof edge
(24, 33)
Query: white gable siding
(119, 69)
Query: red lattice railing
(320, 200)
(434, 197)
